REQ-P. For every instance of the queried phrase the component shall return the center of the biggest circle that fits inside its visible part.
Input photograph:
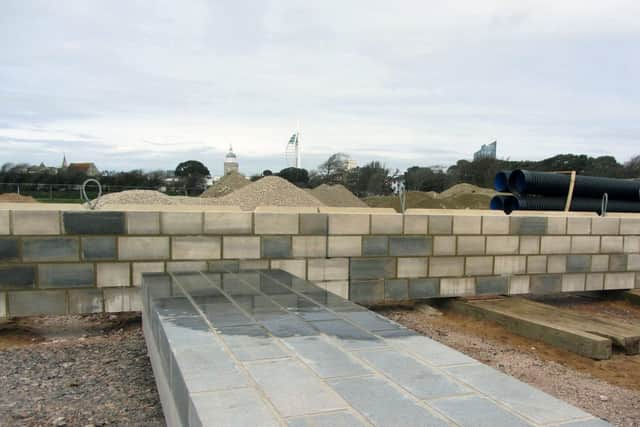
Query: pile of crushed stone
(227, 184)
(16, 198)
(337, 195)
(137, 197)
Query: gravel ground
(337, 195)
(269, 191)
(77, 371)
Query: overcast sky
(147, 84)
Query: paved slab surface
(265, 348)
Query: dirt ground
(609, 389)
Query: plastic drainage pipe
(501, 181)
(555, 184)
(580, 204)
(502, 203)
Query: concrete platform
(264, 348)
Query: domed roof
(230, 157)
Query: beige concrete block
(573, 282)
(519, 285)
(386, 223)
(122, 299)
(36, 222)
(181, 222)
(110, 274)
(328, 269)
(555, 244)
(3, 304)
(416, 224)
(579, 225)
(337, 287)
(585, 244)
(605, 225)
(412, 267)
(444, 245)
(346, 223)
(309, 246)
(478, 266)
(503, 245)
(510, 264)
(143, 223)
(457, 287)
(595, 282)
(611, 244)
(629, 226)
(529, 245)
(84, 301)
(228, 222)
(341, 246)
(195, 247)
(631, 244)
(143, 248)
(276, 223)
(261, 264)
(599, 263)
(537, 264)
(297, 267)
(189, 266)
(495, 225)
(440, 224)
(245, 247)
(138, 268)
(5, 223)
(557, 264)
(446, 266)
(556, 225)
(633, 262)
(619, 280)
(467, 224)
(471, 245)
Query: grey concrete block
(578, 263)
(412, 267)
(223, 266)
(396, 289)
(333, 419)
(502, 245)
(573, 282)
(344, 246)
(33, 303)
(537, 264)
(251, 342)
(143, 248)
(139, 268)
(529, 245)
(424, 288)
(446, 266)
(629, 226)
(181, 222)
(98, 248)
(83, 301)
(585, 244)
(444, 245)
(366, 291)
(276, 246)
(50, 249)
(440, 224)
(458, 286)
(495, 225)
(599, 263)
(557, 264)
(619, 280)
(122, 299)
(631, 244)
(3, 305)
(605, 225)
(113, 274)
(528, 225)
(471, 245)
(276, 223)
(228, 222)
(519, 285)
(578, 225)
(618, 262)
(143, 223)
(17, 277)
(313, 223)
(546, 284)
(5, 223)
(65, 275)
(324, 269)
(9, 250)
(386, 223)
(182, 266)
(478, 265)
(463, 224)
(428, 350)
(477, 411)
(309, 246)
(349, 336)
(594, 282)
(349, 223)
(195, 247)
(372, 268)
(93, 222)
(244, 407)
(410, 246)
(416, 224)
(35, 223)
(241, 247)
(611, 244)
(297, 267)
(375, 245)
(495, 285)
(555, 245)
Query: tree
(370, 179)
(193, 174)
(333, 170)
(297, 176)
(267, 172)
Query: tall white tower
(230, 162)
(293, 152)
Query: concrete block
(618, 262)
(467, 224)
(188, 266)
(619, 280)
(594, 282)
(93, 222)
(396, 290)
(5, 223)
(223, 266)
(36, 223)
(313, 223)
(457, 287)
(440, 224)
(416, 224)
(181, 222)
(605, 225)
(599, 263)
(386, 223)
(338, 287)
(341, 246)
(546, 284)
(537, 264)
(510, 264)
(143, 248)
(50, 249)
(276, 246)
(98, 248)
(412, 267)
(444, 245)
(633, 262)
(519, 285)
(84, 301)
(556, 225)
(297, 267)
(529, 245)
(471, 245)
(228, 222)
(631, 244)
(375, 245)
(555, 244)
(424, 288)
(629, 226)
(573, 282)
(372, 268)
(578, 263)
(138, 268)
(143, 223)
(17, 276)
(276, 223)
(585, 244)
(3, 305)
(33, 303)
(65, 275)
(245, 247)
(261, 264)
(328, 269)
(348, 223)
(9, 250)
(446, 266)
(494, 285)
(410, 246)
(524, 225)
(309, 246)
(113, 274)
(478, 265)
(611, 244)
(502, 245)
(366, 292)
(557, 264)
(122, 299)
(495, 225)
(579, 225)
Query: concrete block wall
(58, 262)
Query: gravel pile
(337, 195)
(227, 184)
(139, 197)
(16, 198)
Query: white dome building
(230, 162)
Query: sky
(148, 84)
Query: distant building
(88, 168)
(350, 164)
(438, 168)
(230, 162)
(487, 151)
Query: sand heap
(137, 197)
(227, 184)
(337, 195)
(16, 198)
(459, 196)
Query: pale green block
(611, 244)
(181, 222)
(495, 225)
(471, 245)
(113, 274)
(467, 224)
(446, 266)
(555, 245)
(579, 225)
(122, 300)
(195, 247)
(478, 266)
(502, 245)
(343, 246)
(605, 226)
(386, 223)
(143, 248)
(585, 244)
(224, 223)
(537, 264)
(349, 223)
(241, 247)
(276, 223)
(412, 267)
(529, 245)
(515, 264)
(36, 222)
(444, 245)
(328, 269)
(143, 223)
(416, 224)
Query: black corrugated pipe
(501, 181)
(579, 204)
(500, 203)
(556, 184)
